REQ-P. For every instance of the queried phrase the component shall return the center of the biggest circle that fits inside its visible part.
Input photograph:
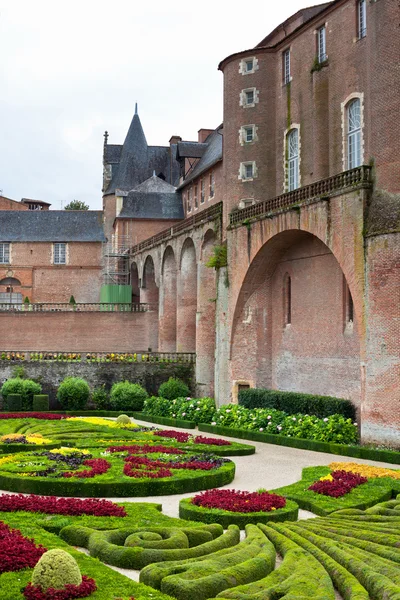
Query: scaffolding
(116, 260)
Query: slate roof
(52, 226)
(112, 153)
(153, 199)
(138, 160)
(211, 156)
(190, 150)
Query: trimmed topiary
(73, 393)
(40, 402)
(124, 419)
(14, 402)
(56, 569)
(25, 387)
(127, 396)
(100, 398)
(173, 388)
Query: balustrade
(13, 356)
(79, 307)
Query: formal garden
(60, 466)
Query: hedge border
(389, 456)
(165, 421)
(91, 489)
(191, 512)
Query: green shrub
(173, 388)
(100, 398)
(198, 410)
(73, 393)
(127, 396)
(25, 387)
(124, 419)
(14, 402)
(56, 569)
(40, 402)
(295, 402)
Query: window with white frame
(247, 171)
(293, 174)
(354, 158)
(248, 65)
(247, 134)
(321, 44)
(248, 97)
(202, 192)
(286, 66)
(212, 185)
(362, 18)
(4, 253)
(60, 253)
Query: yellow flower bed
(64, 450)
(6, 459)
(365, 470)
(102, 421)
(38, 440)
(11, 436)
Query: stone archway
(135, 283)
(168, 302)
(150, 296)
(187, 299)
(295, 323)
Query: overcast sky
(71, 70)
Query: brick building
(300, 188)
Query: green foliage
(40, 402)
(56, 569)
(72, 300)
(26, 300)
(100, 398)
(14, 402)
(25, 387)
(191, 512)
(124, 419)
(127, 396)
(296, 402)
(76, 205)
(173, 388)
(219, 257)
(73, 393)
(198, 410)
(19, 371)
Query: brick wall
(8, 204)
(77, 332)
(138, 230)
(218, 190)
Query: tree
(76, 205)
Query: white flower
(191, 406)
(213, 423)
(279, 427)
(269, 417)
(198, 401)
(174, 415)
(355, 424)
(261, 428)
(188, 398)
(326, 419)
(294, 419)
(197, 408)
(228, 410)
(183, 414)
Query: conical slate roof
(153, 199)
(138, 160)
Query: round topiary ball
(124, 419)
(55, 569)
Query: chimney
(175, 139)
(203, 134)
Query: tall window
(321, 41)
(287, 299)
(212, 185)
(293, 160)
(354, 134)
(4, 253)
(196, 199)
(60, 253)
(202, 192)
(189, 201)
(348, 304)
(286, 66)
(362, 18)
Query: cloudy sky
(71, 70)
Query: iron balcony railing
(41, 307)
(358, 177)
(13, 356)
(208, 214)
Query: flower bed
(365, 470)
(182, 437)
(33, 415)
(16, 551)
(337, 483)
(87, 587)
(237, 507)
(60, 506)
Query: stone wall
(149, 375)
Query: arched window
(354, 134)
(293, 159)
(287, 300)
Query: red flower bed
(200, 439)
(98, 467)
(16, 551)
(32, 415)
(236, 501)
(60, 506)
(179, 436)
(152, 472)
(138, 461)
(343, 482)
(87, 587)
(145, 449)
